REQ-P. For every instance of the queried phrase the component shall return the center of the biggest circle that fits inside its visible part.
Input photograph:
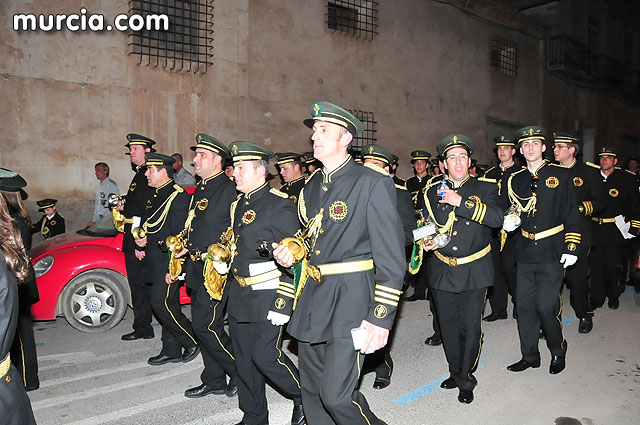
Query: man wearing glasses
(543, 196)
(585, 183)
(461, 271)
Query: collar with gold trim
(327, 177)
(256, 191)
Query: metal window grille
(187, 46)
(368, 135)
(504, 56)
(357, 18)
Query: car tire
(95, 301)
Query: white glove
(221, 268)
(568, 260)
(509, 224)
(277, 319)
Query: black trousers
(207, 317)
(177, 331)
(14, 401)
(257, 349)
(434, 321)
(504, 263)
(420, 279)
(23, 351)
(605, 263)
(576, 277)
(140, 286)
(330, 371)
(460, 315)
(540, 306)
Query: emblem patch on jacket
(613, 192)
(132, 187)
(202, 204)
(552, 182)
(338, 211)
(380, 312)
(248, 216)
(577, 181)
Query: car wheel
(94, 301)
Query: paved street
(92, 379)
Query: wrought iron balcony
(569, 58)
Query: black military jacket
(500, 177)
(135, 205)
(585, 181)
(477, 214)
(360, 221)
(415, 184)
(399, 181)
(171, 196)
(406, 212)
(50, 227)
(620, 197)
(264, 214)
(556, 204)
(209, 209)
(293, 188)
(8, 308)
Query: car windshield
(102, 228)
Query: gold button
(317, 252)
(535, 243)
(235, 270)
(321, 231)
(535, 227)
(455, 248)
(246, 202)
(467, 223)
(455, 232)
(325, 188)
(8, 379)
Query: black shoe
(381, 382)
(161, 359)
(585, 326)
(433, 340)
(133, 336)
(232, 388)
(190, 353)
(415, 297)
(493, 317)
(613, 303)
(557, 364)
(449, 383)
(465, 396)
(202, 390)
(297, 418)
(523, 365)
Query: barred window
(187, 46)
(504, 56)
(357, 18)
(368, 135)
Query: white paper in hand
(359, 335)
(624, 227)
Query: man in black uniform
(461, 271)
(393, 172)
(311, 164)
(343, 207)
(260, 214)
(207, 219)
(415, 184)
(585, 182)
(620, 198)
(290, 165)
(51, 224)
(138, 269)
(544, 196)
(504, 255)
(379, 159)
(166, 214)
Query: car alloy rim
(92, 304)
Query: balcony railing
(570, 58)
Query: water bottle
(443, 186)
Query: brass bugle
(297, 248)
(114, 199)
(138, 233)
(218, 252)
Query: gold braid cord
(118, 220)
(175, 266)
(451, 218)
(515, 199)
(308, 236)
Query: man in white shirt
(106, 187)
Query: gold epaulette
(400, 187)
(376, 168)
(178, 188)
(432, 182)
(591, 164)
(487, 179)
(631, 172)
(558, 165)
(485, 173)
(278, 193)
(519, 171)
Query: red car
(82, 277)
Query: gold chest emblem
(248, 216)
(280, 303)
(380, 311)
(572, 247)
(132, 187)
(52, 222)
(338, 211)
(475, 198)
(552, 182)
(148, 206)
(293, 198)
(577, 181)
(613, 192)
(202, 204)
(469, 204)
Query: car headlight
(43, 266)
